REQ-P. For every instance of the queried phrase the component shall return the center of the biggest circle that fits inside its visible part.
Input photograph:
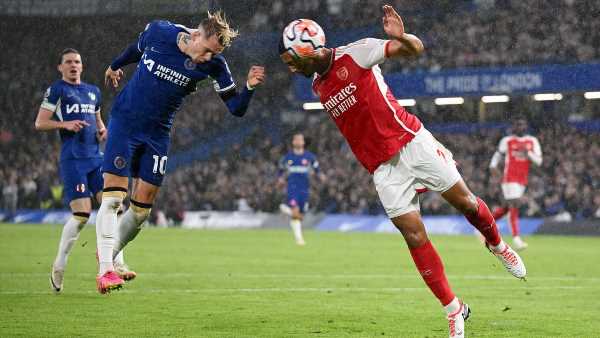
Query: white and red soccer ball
(302, 38)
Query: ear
(196, 33)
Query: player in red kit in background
(518, 149)
(392, 144)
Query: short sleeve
(503, 145)
(51, 98)
(537, 149)
(221, 76)
(366, 52)
(144, 37)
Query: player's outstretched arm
(237, 103)
(44, 121)
(113, 73)
(402, 44)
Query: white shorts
(422, 162)
(512, 191)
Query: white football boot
(456, 321)
(56, 279)
(124, 272)
(511, 261)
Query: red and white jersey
(518, 152)
(359, 101)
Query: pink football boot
(108, 282)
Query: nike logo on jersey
(156, 50)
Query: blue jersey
(71, 102)
(298, 169)
(164, 76)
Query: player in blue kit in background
(171, 60)
(298, 165)
(73, 108)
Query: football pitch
(258, 283)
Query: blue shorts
(82, 178)
(298, 200)
(133, 151)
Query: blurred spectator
(456, 33)
(563, 185)
(10, 194)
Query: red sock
(499, 212)
(513, 215)
(485, 223)
(431, 268)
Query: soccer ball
(302, 38)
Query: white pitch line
(278, 290)
(314, 276)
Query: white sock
(70, 234)
(106, 228)
(453, 306)
(119, 258)
(285, 209)
(129, 227)
(499, 248)
(296, 226)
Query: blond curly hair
(216, 24)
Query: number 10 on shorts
(160, 164)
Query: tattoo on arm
(184, 38)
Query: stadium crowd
(464, 33)
(245, 178)
(501, 32)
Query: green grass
(259, 284)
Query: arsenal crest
(342, 73)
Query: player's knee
(414, 238)
(296, 214)
(113, 197)
(412, 230)
(141, 210)
(81, 218)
